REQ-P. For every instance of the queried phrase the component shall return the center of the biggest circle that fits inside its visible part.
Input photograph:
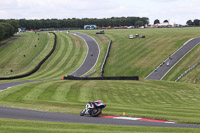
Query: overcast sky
(176, 11)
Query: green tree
(15, 24)
(166, 21)
(196, 22)
(2, 31)
(9, 30)
(139, 23)
(157, 21)
(189, 22)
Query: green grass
(24, 126)
(69, 55)
(12, 55)
(192, 77)
(163, 100)
(128, 57)
(139, 57)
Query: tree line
(8, 28)
(157, 21)
(79, 23)
(195, 22)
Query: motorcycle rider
(92, 104)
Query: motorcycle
(93, 109)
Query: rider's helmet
(99, 101)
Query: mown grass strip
(24, 126)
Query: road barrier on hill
(101, 78)
(187, 71)
(106, 58)
(38, 66)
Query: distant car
(100, 32)
(130, 36)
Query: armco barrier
(37, 67)
(106, 58)
(187, 71)
(102, 78)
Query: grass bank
(139, 57)
(163, 100)
(24, 54)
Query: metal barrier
(106, 58)
(187, 71)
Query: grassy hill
(128, 57)
(68, 56)
(163, 100)
(140, 56)
(12, 54)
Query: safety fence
(106, 58)
(101, 78)
(38, 66)
(187, 71)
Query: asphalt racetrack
(69, 118)
(173, 59)
(92, 55)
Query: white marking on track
(127, 118)
(169, 122)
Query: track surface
(92, 55)
(176, 57)
(58, 117)
(10, 40)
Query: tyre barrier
(106, 58)
(187, 71)
(70, 77)
(37, 67)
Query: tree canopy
(157, 21)
(196, 22)
(166, 21)
(79, 23)
(8, 28)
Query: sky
(176, 11)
